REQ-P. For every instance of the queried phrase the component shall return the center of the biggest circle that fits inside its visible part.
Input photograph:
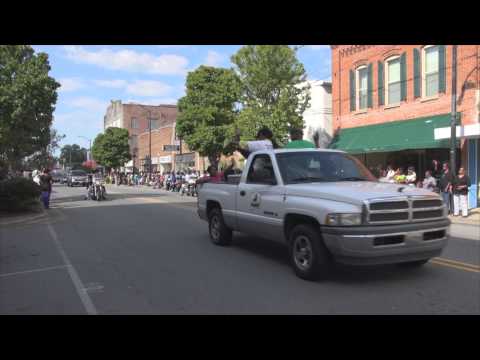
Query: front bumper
(363, 245)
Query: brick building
(392, 105)
(134, 118)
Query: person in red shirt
(215, 176)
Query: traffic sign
(171, 148)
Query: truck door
(257, 200)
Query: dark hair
(265, 132)
(296, 133)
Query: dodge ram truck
(327, 207)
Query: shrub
(18, 194)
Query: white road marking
(84, 297)
(35, 270)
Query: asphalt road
(145, 251)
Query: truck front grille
(396, 216)
(403, 209)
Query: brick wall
(348, 57)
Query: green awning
(393, 136)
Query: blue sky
(91, 76)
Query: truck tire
(309, 257)
(413, 264)
(220, 234)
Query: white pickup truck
(326, 207)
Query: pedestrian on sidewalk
(46, 187)
(445, 185)
(461, 184)
(429, 182)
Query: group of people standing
(454, 189)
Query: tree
(274, 91)
(45, 157)
(72, 155)
(207, 111)
(111, 149)
(27, 98)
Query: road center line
(34, 270)
(459, 267)
(84, 297)
(459, 263)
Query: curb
(22, 218)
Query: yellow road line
(476, 267)
(464, 266)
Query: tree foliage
(274, 91)
(72, 155)
(207, 111)
(111, 149)
(27, 101)
(45, 158)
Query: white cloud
(214, 58)
(172, 46)
(70, 84)
(317, 47)
(113, 84)
(129, 60)
(162, 101)
(89, 104)
(148, 88)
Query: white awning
(463, 131)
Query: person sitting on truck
(297, 142)
(215, 176)
(264, 141)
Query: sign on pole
(171, 148)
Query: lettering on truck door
(256, 210)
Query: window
(155, 124)
(134, 142)
(362, 86)
(261, 171)
(431, 71)
(393, 81)
(315, 166)
(134, 123)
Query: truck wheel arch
(291, 220)
(212, 204)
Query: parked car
(77, 177)
(58, 176)
(327, 207)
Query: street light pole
(453, 120)
(89, 154)
(149, 145)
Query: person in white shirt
(390, 174)
(411, 176)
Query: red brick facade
(349, 57)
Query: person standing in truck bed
(297, 142)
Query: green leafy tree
(111, 149)
(207, 111)
(72, 155)
(27, 98)
(45, 157)
(274, 91)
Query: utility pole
(149, 144)
(453, 121)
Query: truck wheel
(309, 256)
(413, 264)
(220, 234)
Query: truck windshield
(317, 166)
(79, 173)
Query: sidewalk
(472, 219)
(24, 217)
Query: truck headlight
(347, 219)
